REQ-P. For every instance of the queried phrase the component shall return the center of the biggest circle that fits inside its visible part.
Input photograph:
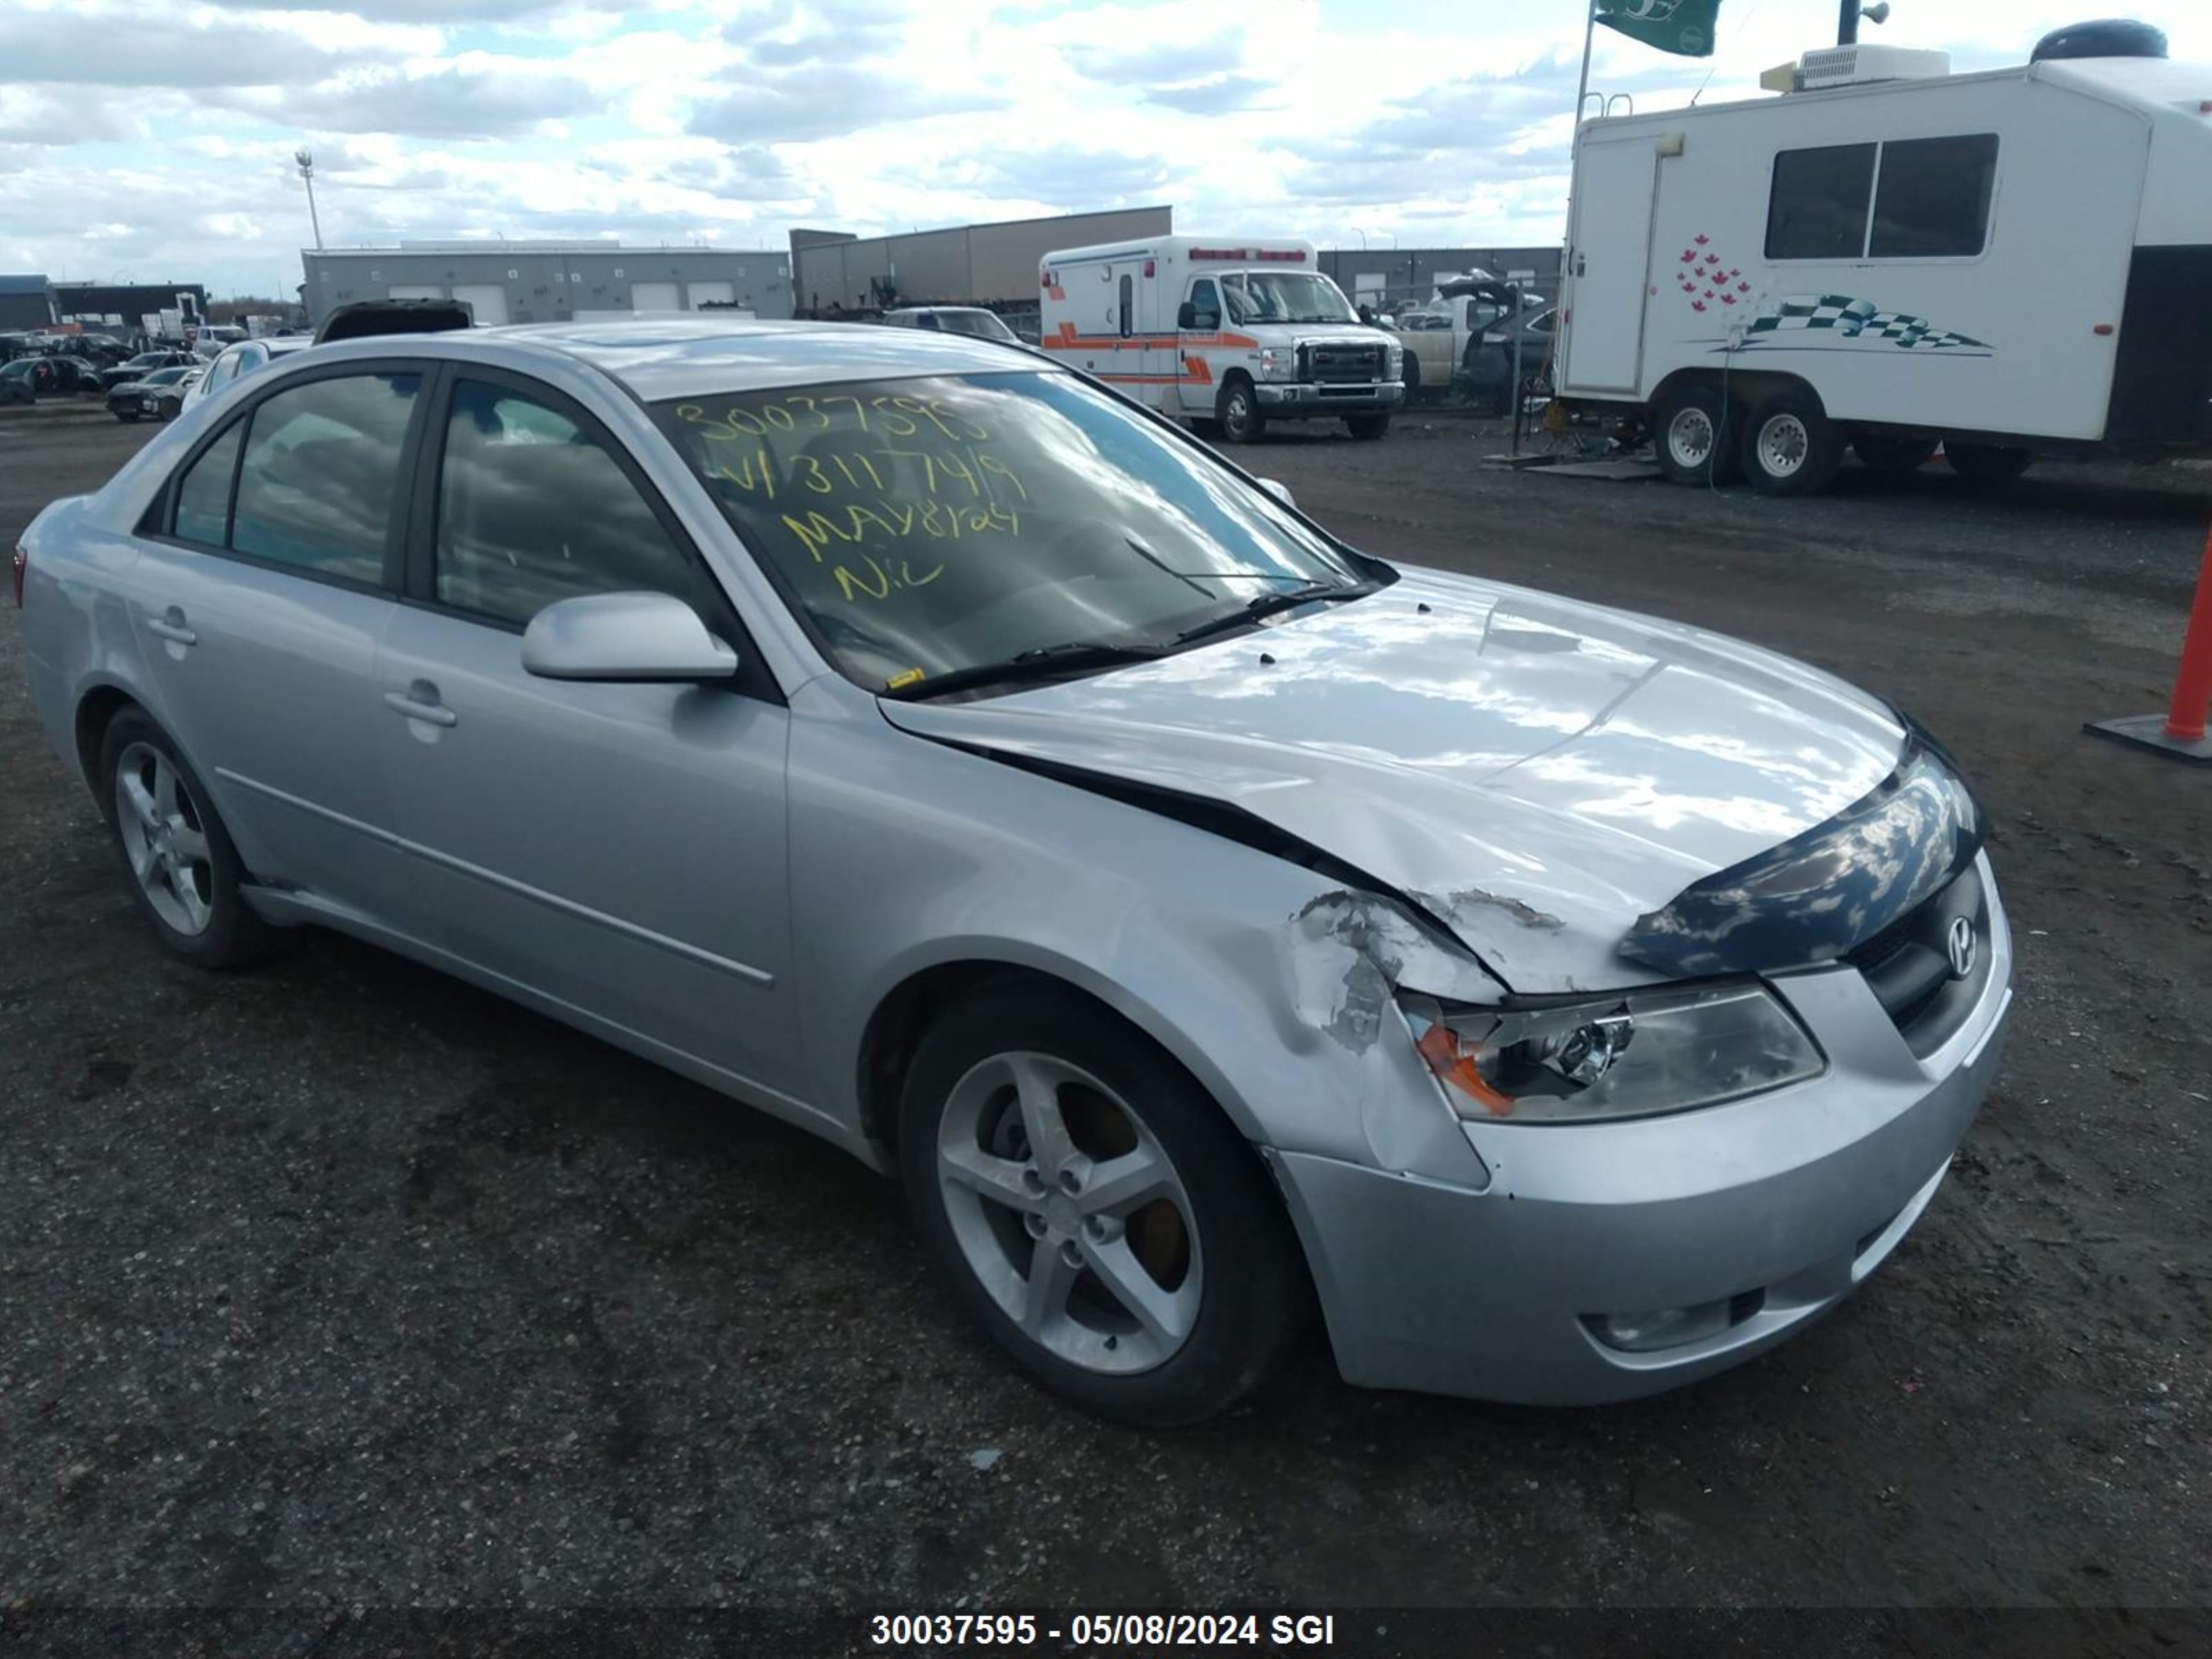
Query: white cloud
(153, 137)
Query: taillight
(22, 563)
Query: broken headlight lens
(1634, 1055)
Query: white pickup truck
(1462, 342)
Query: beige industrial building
(993, 265)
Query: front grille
(1341, 364)
(1908, 966)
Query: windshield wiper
(1266, 604)
(1040, 662)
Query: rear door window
(320, 479)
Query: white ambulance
(1228, 333)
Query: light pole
(1362, 235)
(307, 173)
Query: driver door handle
(419, 701)
(170, 625)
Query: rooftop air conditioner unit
(1858, 65)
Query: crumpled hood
(1537, 773)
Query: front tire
(1790, 446)
(1238, 412)
(1091, 1205)
(126, 415)
(1694, 437)
(1368, 428)
(183, 871)
(1412, 373)
(1988, 464)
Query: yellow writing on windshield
(871, 488)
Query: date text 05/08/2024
(1141, 1632)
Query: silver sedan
(923, 745)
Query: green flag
(1683, 27)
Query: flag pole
(1581, 91)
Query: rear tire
(1412, 377)
(183, 870)
(1368, 428)
(1238, 411)
(1693, 435)
(1790, 446)
(126, 415)
(1988, 464)
(1164, 1304)
(1892, 453)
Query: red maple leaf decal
(1727, 299)
(1709, 294)
(1702, 239)
(1697, 305)
(1743, 287)
(1689, 256)
(1712, 259)
(1734, 273)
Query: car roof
(684, 356)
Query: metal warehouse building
(969, 264)
(549, 282)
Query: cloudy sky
(153, 140)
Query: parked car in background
(138, 367)
(134, 399)
(237, 361)
(168, 401)
(1487, 367)
(27, 380)
(1203, 916)
(954, 320)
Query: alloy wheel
(164, 837)
(1070, 1213)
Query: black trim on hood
(1824, 892)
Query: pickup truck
(1461, 342)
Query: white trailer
(1999, 263)
(1229, 332)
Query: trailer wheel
(1988, 463)
(1790, 446)
(1892, 453)
(1694, 437)
(1238, 411)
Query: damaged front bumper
(1729, 1227)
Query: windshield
(922, 527)
(1283, 297)
(985, 324)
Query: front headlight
(1636, 1055)
(1274, 364)
(1394, 362)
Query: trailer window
(1933, 198)
(1128, 305)
(1818, 207)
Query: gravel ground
(340, 1283)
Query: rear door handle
(170, 625)
(420, 702)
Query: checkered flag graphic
(1856, 320)
(1837, 311)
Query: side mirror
(1280, 491)
(1187, 315)
(637, 637)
